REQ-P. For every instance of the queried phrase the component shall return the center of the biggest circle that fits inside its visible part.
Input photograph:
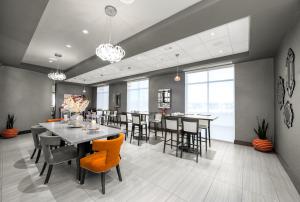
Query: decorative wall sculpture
(280, 92)
(290, 65)
(288, 114)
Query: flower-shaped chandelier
(58, 75)
(107, 51)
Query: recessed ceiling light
(212, 34)
(50, 61)
(221, 51)
(85, 31)
(169, 48)
(68, 46)
(127, 1)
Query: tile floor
(227, 172)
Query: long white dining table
(79, 137)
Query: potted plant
(261, 143)
(10, 131)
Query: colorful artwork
(75, 103)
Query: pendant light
(177, 77)
(83, 91)
(108, 51)
(58, 75)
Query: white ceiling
(63, 21)
(227, 39)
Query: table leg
(82, 149)
(209, 133)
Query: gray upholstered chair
(55, 156)
(36, 131)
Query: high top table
(205, 117)
(80, 137)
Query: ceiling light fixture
(127, 1)
(85, 31)
(107, 51)
(50, 61)
(84, 91)
(68, 46)
(58, 75)
(177, 77)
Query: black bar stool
(137, 122)
(190, 129)
(156, 121)
(171, 126)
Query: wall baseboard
(24, 132)
(239, 142)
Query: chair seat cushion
(95, 162)
(63, 154)
(155, 121)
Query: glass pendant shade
(57, 76)
(177, 78)
(110, 53)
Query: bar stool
(203, 125)
(113, 117)
(125, 121)
(190, 128)
(137, 122)
(171, 126)
(36, 131)
(156, 121)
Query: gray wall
(67, 88)
(254, 97)
(287, 141)
(26, 94)
(118, 88)
(177, 92)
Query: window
(103, 97)
(212, 92)
(137, 95)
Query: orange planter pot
(10, 133)
(55, 120)
(262, 145)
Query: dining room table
(80, 137)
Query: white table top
(78, 135)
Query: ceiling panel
(228, 39)
(63, 21)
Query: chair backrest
(129, 117)
(112, 148)
(36, 131)
(136, 119)
(158, 116)
(190, 125)
(115, 113)
(46, 142)
(171, 123)
(123, 117)
(203, 123)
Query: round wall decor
(288, 114)
(280, 92)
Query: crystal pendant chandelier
(108, 51)
(58, 75)
(177, 77)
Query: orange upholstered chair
(55, 120)
(106, 156)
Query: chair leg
(33, 153)
(171, 140)
(177, 142)
(38, 156)
(119, 173)
(182, 136)
(197, 147)
(205, 139)
(48, 174)
(103, 182)
(165, 142)
(139, 136)
(132, 132)
(43, 169)
(83, 171)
